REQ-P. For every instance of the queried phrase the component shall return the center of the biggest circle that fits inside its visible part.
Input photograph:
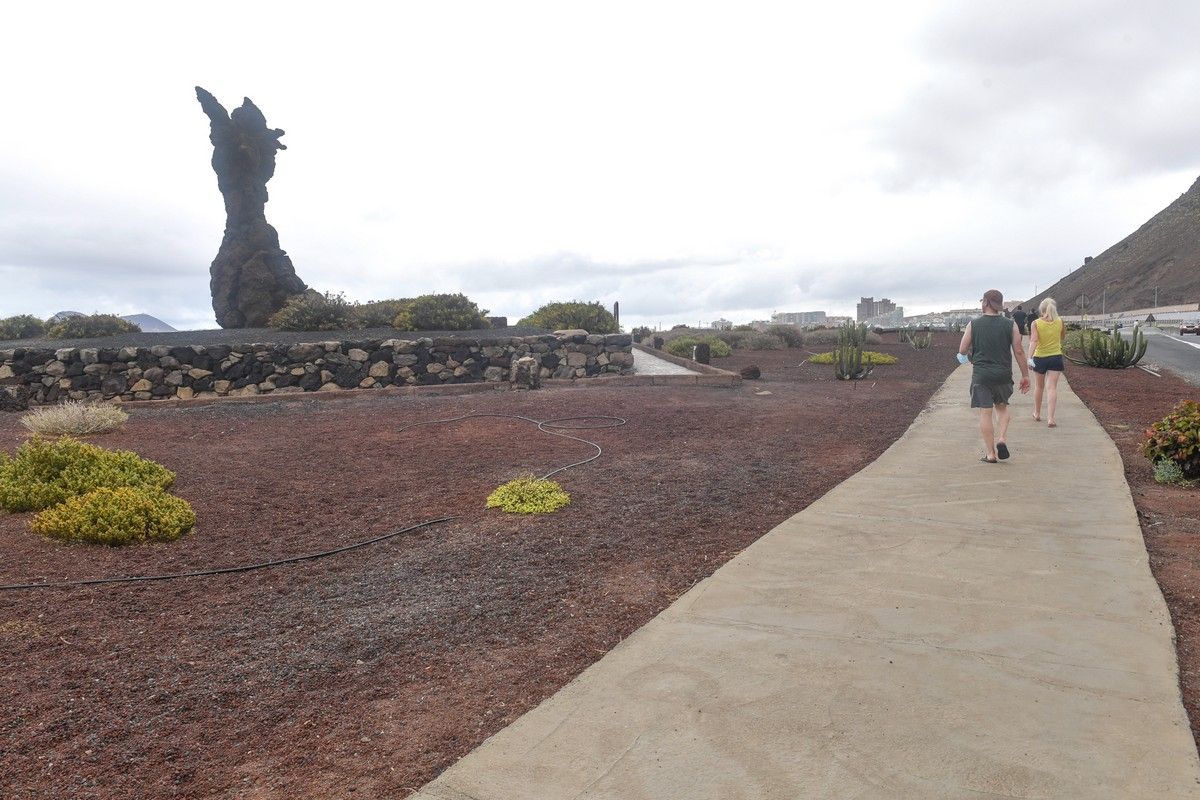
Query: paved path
(934, 627)
(646, 364)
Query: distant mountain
(1163, 253)
(148, 324)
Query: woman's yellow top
(1049, 338)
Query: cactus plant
(919, 340)
(1111, 351)
(848, 362)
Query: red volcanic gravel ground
(1127, 402)
(366, 674)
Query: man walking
(1018, 316)
(991, 341)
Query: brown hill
(1163, 253)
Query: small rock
(357, 355)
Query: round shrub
(313, 311)
(591, 317)
(22, 326)
(44, 473)
(763, 341)
(377, 313)
(640, 333)
(682, 347)
(830, 336)
(871, 355)
(441, 312)
(117, 516)
(751, 373)
(790, 334)
(528, 495)
(1176, 437)
(91, 326)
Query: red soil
(366, 674)
(1127, 402)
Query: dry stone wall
(39, 376)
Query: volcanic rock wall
(38, 376)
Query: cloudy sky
(691, 160)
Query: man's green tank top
(991, 349)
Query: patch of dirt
(1127, 402)
(368, 673)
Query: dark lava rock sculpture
(252, 277)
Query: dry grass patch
(75, 418)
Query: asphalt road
(1180, 354)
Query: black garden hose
(223, 570)
(554, 427)
(550, 426)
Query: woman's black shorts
(1046, 364)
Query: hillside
(1165, 252)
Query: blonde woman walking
(1046, 340)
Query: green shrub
(89, 327)
(1168, 472)
(528, 495)
(830, 336)
(871, 355)
(22, 326)
(640, 333)
(441, 312)
(377, 313)
(1176, 437)
(763, 341)
(313, 311)
(115, 516)
(789, 334)
(732, 338)
(591, 317)
(682, 346)
(44, 473)
(745, 328)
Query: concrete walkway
(646, 364)
(934, 627)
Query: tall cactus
(848, 362)
(1111, 351)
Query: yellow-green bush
(45, 473)
(868, 355)
(528, 495)
(116, 516)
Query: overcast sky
(692, 160)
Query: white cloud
(690, 160)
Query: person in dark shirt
(991, 341)
(1019, 316)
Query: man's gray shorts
(987, 395)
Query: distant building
(798, 318)
(868, 308)
(890, 319)
(722, 325)
(832, 321)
